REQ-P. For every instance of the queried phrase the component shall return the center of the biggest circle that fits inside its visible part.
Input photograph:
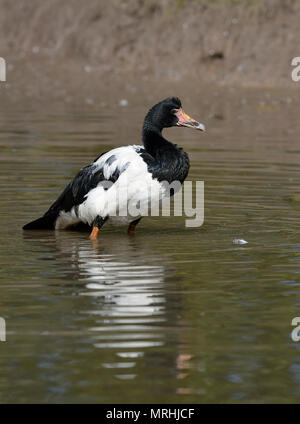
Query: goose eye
(174, 111)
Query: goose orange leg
(132, 225)
(97, 224)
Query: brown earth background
(71, 49)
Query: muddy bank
(63, 49)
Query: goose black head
(169, 113)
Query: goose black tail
(46, 222)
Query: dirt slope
(55, 44)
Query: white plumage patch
(123, 200)
(66, 219)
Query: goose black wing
(88, 178)
(107, 167)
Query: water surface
(174, 314)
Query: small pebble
(239, 241)
(89, 101)
(123, 102)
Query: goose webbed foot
(97, 224)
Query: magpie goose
(129, 175)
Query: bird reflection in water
(127, 293)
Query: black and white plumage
(98, 190)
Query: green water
(174, 314)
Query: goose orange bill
(184, 120)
